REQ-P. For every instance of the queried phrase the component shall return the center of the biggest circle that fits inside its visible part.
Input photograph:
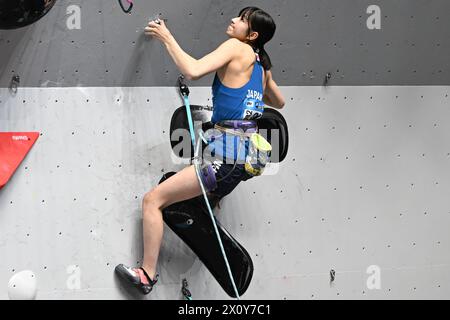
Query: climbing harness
(259, 148)
(130, 7)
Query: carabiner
(15, 81)
(184, 89)
(185, 291)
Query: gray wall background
(312, 38)
(365, 181)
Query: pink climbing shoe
(135, 278)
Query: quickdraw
(185, 291)
(15, 81)
(130, 7)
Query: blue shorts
(213, 177)
(222, 175)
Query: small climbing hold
(22, 286)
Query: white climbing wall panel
(365, 183)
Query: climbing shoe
(139, 280)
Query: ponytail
(264, 58)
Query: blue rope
(189, 116)
(191, 129)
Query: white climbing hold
(22, 286)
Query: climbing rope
(185, 93)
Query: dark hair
(261, 22)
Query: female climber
(243, 83)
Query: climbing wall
(364, 184)
(358, 209)
(93, 43)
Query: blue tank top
(243, 103)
